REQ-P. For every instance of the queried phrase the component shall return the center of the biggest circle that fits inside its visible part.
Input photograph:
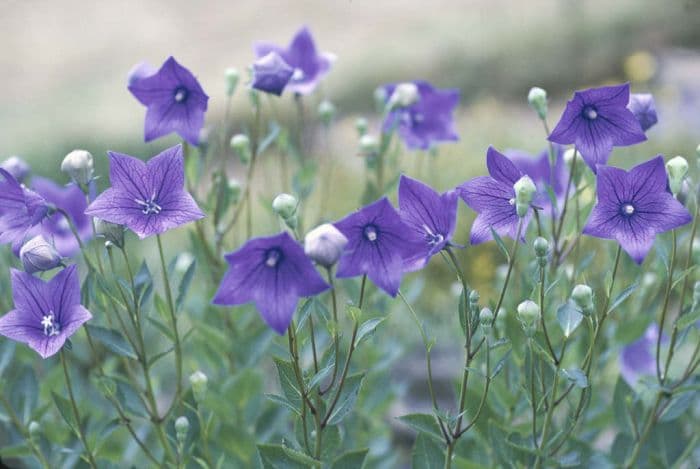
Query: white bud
(232, 76)
(404, 95)
(16, 166)
(569, 156)
(369, 145)
(182, 427)
(38, 255)
(524, 192)
(199, 381)
(528, 312)
(79, 165)
(537, 98)
(677, 168)
(583, 297)
(241, 145)
(285, 205)
(326, 111)
(324, 244)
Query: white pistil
(628, 209)
(50, 327)
(149, 206)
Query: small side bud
(537, 98)
(583, 297)
(326, 112)
(361, 126)
(486, 317)
(240, 143)
(285, 205)
(677, 168)
(110, 232)
(38, 255)
(404, 95)
(182, 427)
(79, 165)
(17, 167)
(524, 192)
(232, 77)
(541, 246)
(34, 429)
(369, 145)
(199, 382)
(234, 187)
(325, 244)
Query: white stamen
(273, 258)
(50, 327)
(512, 201)
(149, 206)
(180, 95)
(298, 74)
(371, 233)
(628, 209)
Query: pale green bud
(486, 317)
(537, 98)
(361, 126)
(234, 187)
(79, 165)
(474, 297)
(541, 246)
(285, 205)
(232, 77)
(524, 192)
(583, 297)
(182, 427)
(326, 112)
(34, 429)
(240, 143)
(199, 381)
(696, 293)
(110, 232)
(528, 312)
(677, 168)
(369, 145)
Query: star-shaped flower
(379, 243)
(538, 168)
(272, 272)
(175, 101)
(271, 74)
(427, 121)
(308, 64)
(493, 198)
(148, 198)
(634, 206)
(597, 119)
(46, 314)
(20, 210)
(431, 216)
(643, 107)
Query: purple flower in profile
(643, 107)
(46, 314)
(638, 359)
(427, 121)
(301, 55)
(538, 168)
(17, 167)
(175, 100)
(148, 198)
(597, 119)
(271, 74)
(430, 216)
(634, 206)
(20, 210)
(493, 198)
(55, 227)
(379, 243)
(272, 272)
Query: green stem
(630, 462)
(76, 413)
(550, 410)
(542, 317)
(557, 232)
(664, 310)
(336, 326)
(511, 263)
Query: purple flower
(272, 272)
(55, 227)
(537, 167)
(597, 119)
(175, 100)
(633, 206)
(139, 71)
(20, 210)
(644, 109)
(271, 74)
(430, 216)
(379, 243)
(46, 314)
(309, 66)
(17, 167)
(427, 121)
(148, 198)
(493, 198)
(638, 359)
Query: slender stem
(533, 401)
(94, 235)
(313, 343)
(336, 326)
(550, 411)
(24, 431)
(557, 232)
(204, 426)
(76, 413)
(76, 235)
(629, 463)
(300, 382)
(664, 310)
(542, 317)
(511, 263)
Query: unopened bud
(541, 246)
(326, 112)
(537, 98)
(583, 297)
(240, 143)
(474, 297)
(528, 312)
(369, 145)
(361, 126)
(486, 317)
(325, 244)
(404, 95)
(182, 427)
(524, 192)
(34, 429)
(17, 167)
(235, 190)
(684, 194)
(232, 77)
(38, 255)
(199, 381)
(285, 205)
(677, 168)
(79, 165)
(110, 232)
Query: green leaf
(347, 398)
(687, 319)
(569, 317)
(423, 423)
(321, 375)
(500, 243)
(367, 329)
(16, 451)
(288, 382)
(576, 376)
(185, 285)
(678, 406)
(113, 340)
(501, 363)
(282, 457)
(350, 460)
(427, 453)
(283, 401)
(622, 296)
(66, 411)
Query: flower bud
(17, 167)
(232, 76)
(528, 313)
(583, 297)
(110, 232)
(326, 112)
(684, 193)
(79, 165)
(541, 246)
(486, 317)
(38, 255)
(524, 192)
(325, 244)
(235, 190)
(361, 126)
(369, 145)
(199, 381)
(474, 297)
(404, 95)
(240, 143)
(182, 427)
(34, 429)
(285, 205)
(677, 168)
(537, 98)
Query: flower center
(298, 74)
(590, 112)
(149, 206)
(628, 209)
(51, 328)
(273, 257)
(181, 94)
(371, 233)
(433, 238)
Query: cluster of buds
(286, 205)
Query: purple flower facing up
(148, 198)
(431, 216)
(427, 121)
(175, 100)
(271, 74)
(308, 65)
(55, 228)
(272, 272)
(633, 206)
(379, 243)
(643, 107)
(597, 119)
(638, 359)
(46, 314)
(20, 210)
(537, 167)
(493, 198)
